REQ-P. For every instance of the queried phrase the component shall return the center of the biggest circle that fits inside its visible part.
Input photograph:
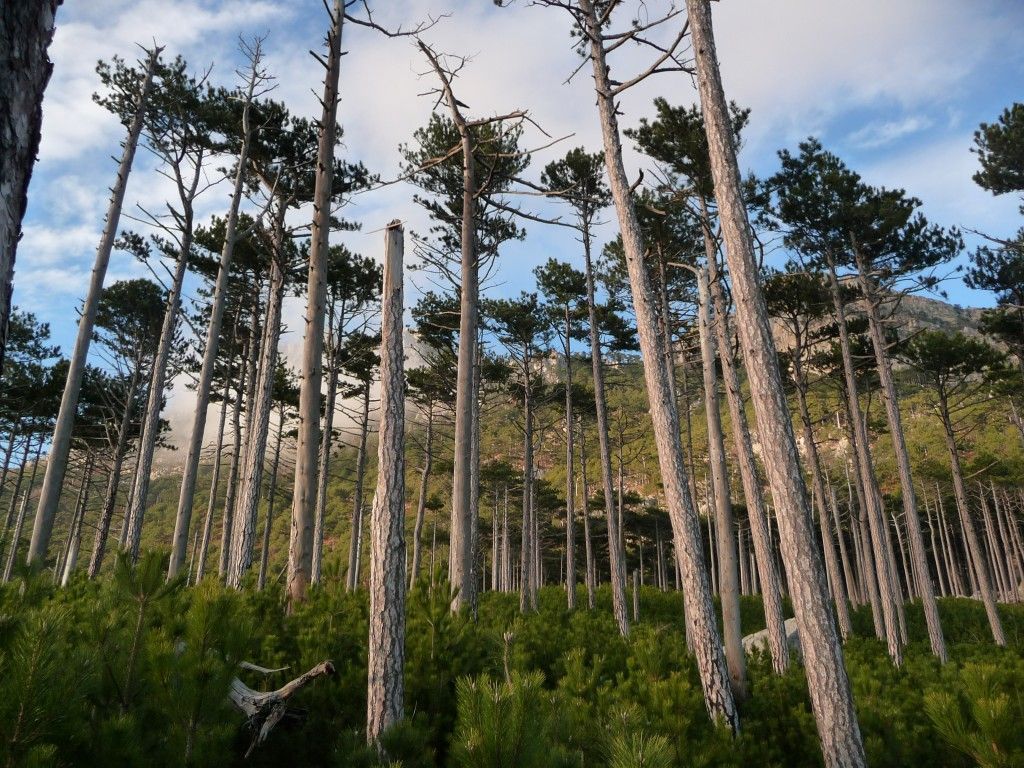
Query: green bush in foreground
(129, 671)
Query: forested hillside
(613, 455)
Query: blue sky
(896, 88)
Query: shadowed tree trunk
(355, 541)
(261, 581)
(218, 457)
(421, 498)
(26, 30)
(831, 698)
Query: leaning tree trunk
(421, 498)
(261, 581)
(884, 564)
(20, 520)
(386, 652)
(818, 481)
(728, 575)
(211, 503)
(15, 495)
(114, 480)
(243, 533)
(75, 535)
(323, 468)
(60, 443)
(617, 568)
(714, 675)
(151, 421)
(356, 539)
(587, 541)
(831, 698)
(919, 558)
(771, 592)
(300, 548)
(26, 30)
(570, 476)
(973, 545)
(190, 473)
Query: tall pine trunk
(421, 498)
(356, 539)
(920, 571)
(386, 654)
(261, 580)
(60, 443)
(700, 616)
(831, 698)
(26, 29)
(300, 547)
(190, 472)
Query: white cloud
(882, 133)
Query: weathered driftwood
(265, 709)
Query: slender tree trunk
(355, 542)
(26, 30)
(728, 572)
(386, 656)
(204, 545)
(570, 475)
(151, 421)
(300, 548)
(707, 647)
(831, 698)
(617, 568)
(271, 500)
(190, 472)
(323, 468)
(475, 558)
(243, 534)
(973, 545)
(19, 477)
(922, 576)
(769, 576)
(587, 540)
(527, 552)
(996, 557)
(75, 535)
(817, 478)
(60, 443)
(246, 377)
(421, 499)
(851, 581)
(20, 520)
(884, 565)
(114, 480)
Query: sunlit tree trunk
(218, 456)
(922, 574)
(707, 647)
(355, 541)
(831, 698)
(261, 581)
(421, 498)
(386, 653)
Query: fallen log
(264, 709)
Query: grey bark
(20, 520)
(707, 647)
(75, 535)
(771, 592)
(587, 541)
(26, 30)
(261, 580)
(190, 472)
(421, 498)
(60, 443)
(973, 545)
(246, 389)
(386, 656)
(113, 481)
(300, 548)
(151, 420)
(831, 698)
(355, 541)
(922, 576)
(884, 566)
(728, 571)
(218, 457)
(570, 475)
(243, 534)
(323, 469)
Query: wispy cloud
(882, 133)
